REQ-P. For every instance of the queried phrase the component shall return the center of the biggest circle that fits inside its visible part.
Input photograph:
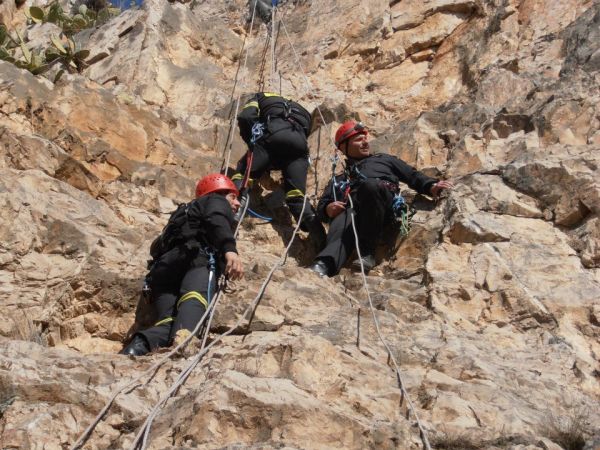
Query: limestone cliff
(491, 305)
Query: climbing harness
(403, 212)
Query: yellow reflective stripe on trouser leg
(163, 321)
(193, 295)
(294, 193)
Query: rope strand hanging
(229, 142)
(411, 408)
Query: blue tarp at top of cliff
(126, 4)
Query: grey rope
(131, 385)
(229, 142)
(391, 356)
(272, 79)
(145, 430)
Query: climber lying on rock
(196, 245)
(372, 182)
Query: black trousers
(180, 288)
(284, 148)
(373, 209)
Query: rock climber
(372, 181)
(276, 129)
(263, 9)
(196, 245)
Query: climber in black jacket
(197, 240)
(372, 181)
(275, 129)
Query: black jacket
(205, 221)
(379, 166)
(266, 106)
(210, 220)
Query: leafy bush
(85, 17)
(61, 50)
(32, 60)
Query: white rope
(145, 430)
(131, 385)
(243, 215)
(398, 375)
(404, 392)
(273, 9)
(141, 440)
(306, 80)
(229, 142)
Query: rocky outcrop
(490, 304)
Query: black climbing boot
(368, 262)
(137, 347)
(320, 267)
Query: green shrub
(85, 17)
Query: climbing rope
(229, 142)
(134, 383)
(411, 408)
(263, 63)
(141, 440)
(272, 28)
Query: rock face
(491, 305)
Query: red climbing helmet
(349, 129)
(215, 182)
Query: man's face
(233, 201)
(358, 146)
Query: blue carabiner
(258, 130)
(211, 261)
(398, 205)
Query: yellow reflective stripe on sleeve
(251, 105)
(162, 322)
(193, 295)
(294, 193)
